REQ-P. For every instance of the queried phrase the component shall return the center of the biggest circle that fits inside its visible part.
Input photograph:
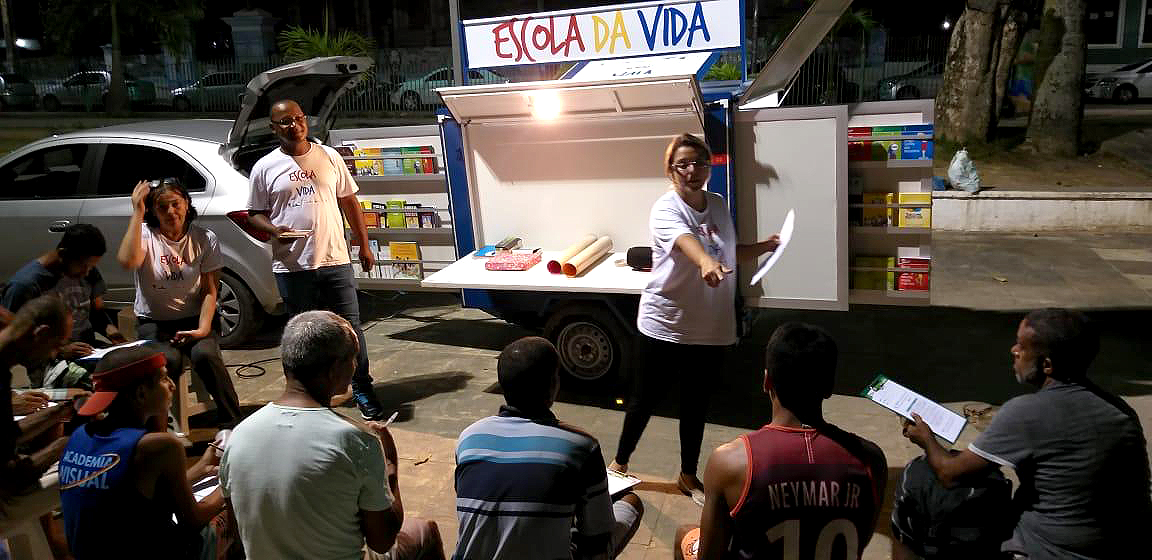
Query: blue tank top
(103, 511)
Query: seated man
(69, 271)
(798, 487)
(35, 333)
(530, 486)
(126, 491)
(1078, 451)
(305, 482)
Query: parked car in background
(218, 91)
(420, 92)
(920, 83)
(1125, 84)
(88, 177)
(16, 92)
(89, 89)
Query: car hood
(316, 84)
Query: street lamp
(947, 24)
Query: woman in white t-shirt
(177, 270)
(687, 317)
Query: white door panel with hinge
(794, 159)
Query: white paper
(620, 482)
(204, 487)
(50, 405)
(904, 401)
(98, 353)
(785, 237)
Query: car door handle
(59, 226)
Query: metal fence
(217, 85)
(845, 71)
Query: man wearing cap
(124, 489)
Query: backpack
(969, 520)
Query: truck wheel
(240, 315)
(590, 340)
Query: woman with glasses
(687, 316)
(177, 268)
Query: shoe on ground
(370, 408)
(693, 491)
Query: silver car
(88, 177)
(218, 91)
(16, 91)
(920, 83)
(1123, 85)
(90, 88)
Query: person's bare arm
(350, 205)
(38, 422)
(259, 219)
(131, 254)
(381, 527)
(949, 467)
(711, 271)
(162, 455)
(209, 287)
(723, 481)
(753, 250)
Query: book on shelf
(915, 216)
(406, 251)
(913, 281)
(346, 150)
(916, 150)
(878, 279)
(395, 214)
(875, 215)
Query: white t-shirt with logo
(678, 306)
(168, 281)
(301, 192)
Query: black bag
(969, 520)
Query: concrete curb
(1041, 211)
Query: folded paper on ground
(556, 266)
(585, 259)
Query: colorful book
(406, 251)
(877, 215)
(917, 216)
(395, 214)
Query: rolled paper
(556, 266)
(588, 257)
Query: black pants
(662, 365)
(207, 362)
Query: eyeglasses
(289, 121)
(684, 165)
(155, 183)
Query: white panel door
(794, 158)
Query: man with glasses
(298, 193)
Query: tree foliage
(74, 23)
(298, 43)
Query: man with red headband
(118, 479)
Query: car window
(213, 80)
(126, 164)
(443, 75)
(91, 78)
(232, 78)
(44, 174)
(474, 75)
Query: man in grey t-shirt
(1078, 451)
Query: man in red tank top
(798, 487)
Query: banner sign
(638, 29)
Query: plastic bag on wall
(962, 174)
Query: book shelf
(888, 262)
(409, 161)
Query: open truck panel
(553, 161)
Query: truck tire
(240, 315)
(591, 342)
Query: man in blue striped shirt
(530, 486)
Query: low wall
(1041, 211)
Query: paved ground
(435, 363)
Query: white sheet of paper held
(785, 237)
(904, 401)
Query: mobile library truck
(566, 163)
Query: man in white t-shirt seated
(305, 482)
(298, 192)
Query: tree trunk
(9, 39)
(117, 99)
(1058, 112)
(1015, 25)
(964, 102)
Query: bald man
(298, 192)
